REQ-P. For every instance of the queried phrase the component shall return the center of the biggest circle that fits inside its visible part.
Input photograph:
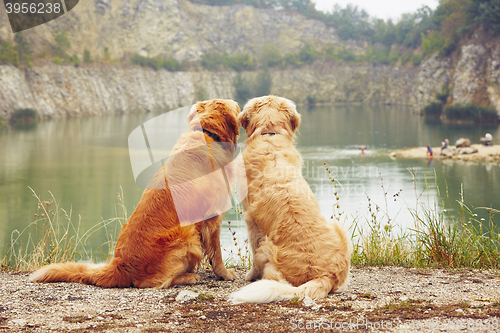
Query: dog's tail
(265, 291)
(102, 275)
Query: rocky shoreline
(389, 298)
(475, 152)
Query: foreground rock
(396, 298)
(478, 153)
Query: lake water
(84, 163)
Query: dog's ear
(243, 118)
(232, 120)
(295, 120)
(195, 109)
(294, 117)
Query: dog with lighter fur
(156, 249)
(295, 250)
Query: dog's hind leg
(210, 240)
(317, 288)
(263, 262)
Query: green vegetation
(433, 31)
(201, 93)
(408, 41)
(470, 113)
(156, 63)
(87, 58)
(436, 240)
(245, 88)
(218, 60)
(54, 237)
(433, 110)
(242, 88)
(24, 116)
(107, 55)
(9, 54)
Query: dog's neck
(210, 134)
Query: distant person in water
(362, 148)
(429, 150)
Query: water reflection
(84, 161)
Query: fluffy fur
(154, 248)
(295, 250)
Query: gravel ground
(388, 299)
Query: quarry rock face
(184, 31)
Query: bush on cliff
(470, 113)
(24, 116)
(156, 63)
(433, 110)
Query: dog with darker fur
(155, 247)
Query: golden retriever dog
(155, 247)
(295, 250)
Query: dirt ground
(390, 299)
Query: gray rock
(466, 151)
(186, 295)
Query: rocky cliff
(182, 30)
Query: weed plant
(54, 236)
(436, 239)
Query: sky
(383, 9)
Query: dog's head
(269, 114)
(218, 116)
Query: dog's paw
(188, 278)
(229, 275)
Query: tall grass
(54, 236)
(437, 240)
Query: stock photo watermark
(365, 324)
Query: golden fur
(154, 248)
(292, 243)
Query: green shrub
(416, 59)
(74, 59)
(307, 54)
(107, 55)
(393, 57)
(171, 64)
(406, 57)
(25, 115)
(9, 55)
(310, 100)
(376, 55)
(443, 96)
(213, 60)
(87, 58)
(470, 113)
(291, 59)
(57, 61)
(156, 63)
(240, 62)
(242, 88)
(201, 93)
(263, 83)
(270, 55)
(24, 49)
(433, 110)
